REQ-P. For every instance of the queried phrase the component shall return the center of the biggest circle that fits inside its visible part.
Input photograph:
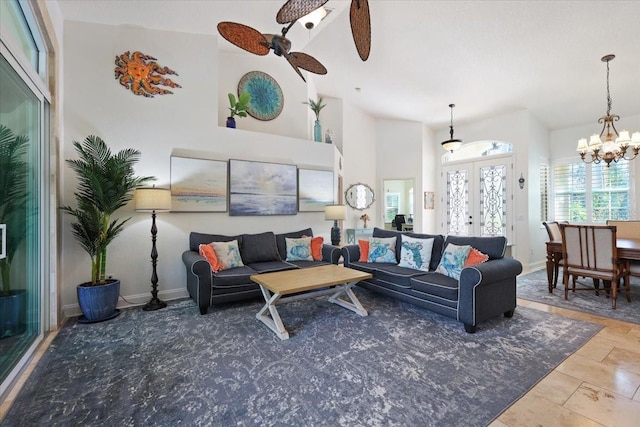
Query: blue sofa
(261, 253)
(483, 291)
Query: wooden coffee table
(313, 282)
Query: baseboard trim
(73, 310)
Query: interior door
(478, 199)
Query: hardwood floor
(598, 385)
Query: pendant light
(451, 143)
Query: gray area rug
(401, 365)
(534, 287)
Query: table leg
(352, 304)
(274, 322)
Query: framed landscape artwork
(258, 188)
(198, 185)
(315, 190)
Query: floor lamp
(335, 213)
(153, 200)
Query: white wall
(95, 103)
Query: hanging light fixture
(451, 144)
(312, 19)
(610, 150)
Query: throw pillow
(453, 260)
(299, 249)
(475, 257)
(259, 248)
(382, 249)
(316, 248)
(415, 253)
(228, 254)
(364, 250)
(208, 252)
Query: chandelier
(610, 150)
(451, 144)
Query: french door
(478, 198)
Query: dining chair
(590, 251)
(555, 257)
(628, 230)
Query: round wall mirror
(359, 196)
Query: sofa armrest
(350, 253)
(487, 289)
(331, 253)
(198, 279)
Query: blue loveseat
(483, 291)
(260, 253)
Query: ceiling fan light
(312, 19)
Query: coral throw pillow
(382, 249)
(208, 252)
(228, 254)
(364, 250)
(316, 248)
(453, 260)
(475, 257)
(299, 249)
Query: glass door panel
(20, 178)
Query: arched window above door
(477, 149)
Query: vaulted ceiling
(487, 57)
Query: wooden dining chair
(590, 251)
(554, 257)
(628, 230)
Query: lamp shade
(335, 212)
(152, 199)
(312, 19)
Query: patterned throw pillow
(364, 250)
(228, 254)
(382, 250)
(208, 252)
(453, 260)
(475, 257)
(316, 248)
(415, 253)
(299, 249)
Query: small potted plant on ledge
(106, 183)
(364, 217)
(237, 107)
(316, 107)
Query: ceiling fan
(253, 41)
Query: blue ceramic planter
(98, 302)
(13, 306)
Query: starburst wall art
(142, 74)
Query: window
(391, 203)
(544, 192)
(591, 193)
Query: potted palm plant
(106, 183)
(237, 107)
(13, 220)
(316, 107)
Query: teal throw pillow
(299, 249)
(453, 260)
(228, 254)
(415, 253)
(382, 250)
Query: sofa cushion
(453, 259)
(281, 243)
(364, 266)
(493, 246)
(400, 276)
(271, 266)
(306, 264)
(259, 248)
(415, 253)
(383, 250)
(197, 239)
(298, 249)
(436, 284)
(228, 254)
(233, 276)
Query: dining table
(628, 250)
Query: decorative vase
(98, 302)
(231, 122)
(317, 131)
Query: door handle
(3, 246)
(470, 220)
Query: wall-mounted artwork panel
(259, 188)
(315, 190)
(198, 185)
